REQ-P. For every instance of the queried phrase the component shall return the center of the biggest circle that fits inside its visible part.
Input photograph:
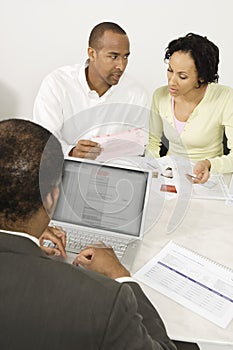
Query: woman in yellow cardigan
(193, 110)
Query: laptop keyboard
(78, 240)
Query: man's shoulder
(73, 274)
(79, 277)
(80, 284)
(64, 73)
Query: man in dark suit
(47, 304)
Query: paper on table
(231, 186)
(192, 280)
(229, 201)
(124, 144)
(214, 188)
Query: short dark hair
(31, 161)
(99, 30)
(204, 53)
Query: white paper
(229, 201)
(125, 144)
(214, 188)
(231, 186)
(195, 282)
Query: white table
(205, 227)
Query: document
(192, 280)
(214, 188)
(231, 186)
(125, 144)
(230, 200)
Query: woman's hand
(202, 171)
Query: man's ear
(51, 201)
(91, 53)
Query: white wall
(37, 36)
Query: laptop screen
(103, 196)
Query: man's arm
(47, 109)
(135, 324)
(48, 112)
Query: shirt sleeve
(47, 110)
(155, 130)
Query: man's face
(110, 61)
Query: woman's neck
(183, 106)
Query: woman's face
(182, 74)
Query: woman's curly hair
(204, 53)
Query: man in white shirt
(96, 98)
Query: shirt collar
(83, 81)
(82, 76)
(22, 234)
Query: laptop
(103, 202)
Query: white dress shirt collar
(22, 234)
(91, 93)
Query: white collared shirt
(67, 106)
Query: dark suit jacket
(46, 304)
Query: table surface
(204, 226)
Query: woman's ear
(200, 81)
(51, 201)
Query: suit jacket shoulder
(46, 304)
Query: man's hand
(86, 149)
(58, 237)
(202, 171)
(101, 258)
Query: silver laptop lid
(103, 196)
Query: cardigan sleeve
(224, 163)
(155, 129)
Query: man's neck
(94, 83)
(34, 226)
